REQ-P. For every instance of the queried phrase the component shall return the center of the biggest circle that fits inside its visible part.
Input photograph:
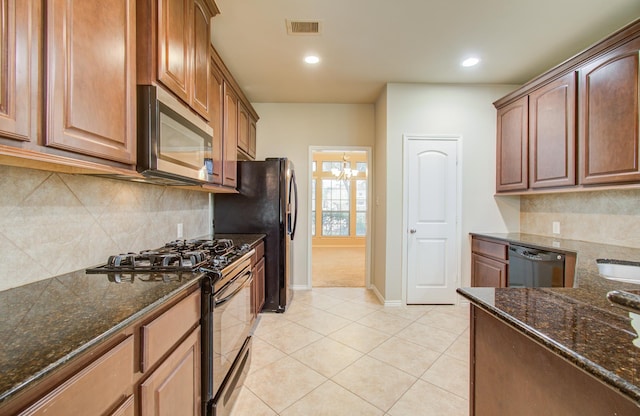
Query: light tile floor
(338, 351)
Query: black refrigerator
(267, 203)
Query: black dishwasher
(530, 267)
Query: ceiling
(364, 44)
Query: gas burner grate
(175, 256)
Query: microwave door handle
(224, 300)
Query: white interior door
(432, 210)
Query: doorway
(432, 194)
(339, 217)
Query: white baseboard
(300, 287)
(390, 303)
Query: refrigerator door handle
(293, 184)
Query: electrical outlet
(556, 227)
(180, 230)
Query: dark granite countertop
(47, 323)
(577, 323)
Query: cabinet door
(175, 30)
(91, 90)
(486, 272)
(174, 387)
(19, 55)
(512, 147)
(230, 172)
(216, 120)
(201, 42)
(97, 389)
(243, 127)
(257, 287)
(609, 117)
(252, 137)
(552, 134)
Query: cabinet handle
(413, 231)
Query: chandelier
(345, 172)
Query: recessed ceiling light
(311, 59)
(471, 61)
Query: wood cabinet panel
(97, 389)
(91, 95)
(161, 334)
(552, 134)
(230, 128)
(252, 137)
(486, 272)
(201, 59)
(495, 249)
(216, 106)
(19, 68)
(513, 375)
(126, 409)
(243, 128)
(609, 117)
(174, 387)
(174, 46)
(512, 147)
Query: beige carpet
(337, 266)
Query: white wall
(288, 130)
(379, 232)
(461, 110)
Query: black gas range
(175, 257)
(226, 276)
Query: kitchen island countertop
(577, 323)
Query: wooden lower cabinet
(486, 272)
(100, 388)
(257, 287)
(151, 367)
(174, 387)
(489, 262)
(511, 374)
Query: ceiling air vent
(303, 27)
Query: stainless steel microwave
(174, 144)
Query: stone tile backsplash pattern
(607, 217)
(52, 223)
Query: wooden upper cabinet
(19, 54)
(90, 78)
(552, 134)
(243, 127)
(216, 121)
(174, 46)
(252, 137)
(183, 50)
(230, 128)
(608, 139)
(201, 60)
(512, 146)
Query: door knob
(413, 231)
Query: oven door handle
(248, 280)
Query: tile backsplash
(608, 217)
(52, 223)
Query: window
(339, 203)
(335, 207)
(313, 204)
(361, 207)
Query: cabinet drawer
(259, 251)
(95, 390)
(161, 334)
(489, 248)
